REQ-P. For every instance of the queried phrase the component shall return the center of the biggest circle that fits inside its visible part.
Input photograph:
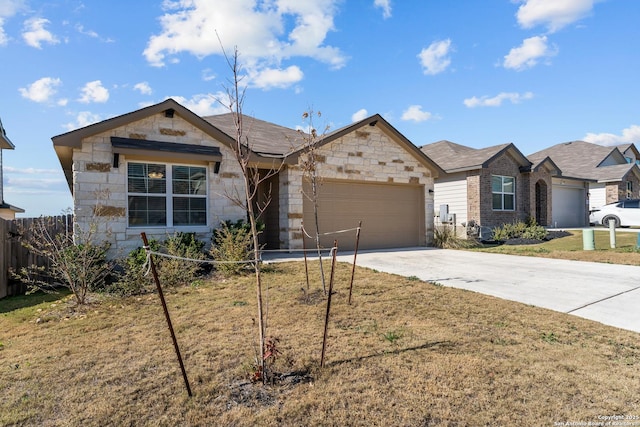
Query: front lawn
(406, 352)
(571, 247)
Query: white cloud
(272, 77)
(8, 8)
(359, 115)
(554, 14)
(206, 104)
(414, 113)
(143, 88)
(208, 75)
(80, 28)
(435, 58)
(30, 171)
(82, 119)
(41, 90)
(94, 92)
(90, 33)
(385, 5)
(271, 31)
(529, 53)
(34, 33)
(497, 100)
(630, 135)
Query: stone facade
(365, 155)
(99, 188)
(100, 185)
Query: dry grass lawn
(571, 247)
(405, 353)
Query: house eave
(7, 206)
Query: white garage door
(569, 207)
(392, 215)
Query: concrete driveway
(606, 293)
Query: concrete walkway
(606, 293)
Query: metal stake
(304, 251)
(166, 314)
(326, 320)
(355, 255)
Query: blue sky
(478, 73)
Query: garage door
(392, 215)
(568, 208)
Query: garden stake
(304, 251)
(326, 320)
(355, 255)
(166, 313)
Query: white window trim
(168, 195)
(502, 193)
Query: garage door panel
(392, 215)
(568, 207)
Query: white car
(623, 213)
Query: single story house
(7, 211)
(592, 175)
(163, 169)
(490, 186)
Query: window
(629, 189)
(164, 195)
(504, 192)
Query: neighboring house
(7, 211)
(163, 169)
(592, 175)
(490, 186)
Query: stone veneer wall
(366, 154)
(100, 189)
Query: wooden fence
(15, 256)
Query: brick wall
(618, 190)
(504, 165)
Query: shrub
(174, 272)
(232, 243)
(520, 230)
(171, 271)
(445, 237)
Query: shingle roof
(454, 157)
(583, 160)
(263, 137)
(267, 138)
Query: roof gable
(585, 160)
(454, 157)
(379, 122)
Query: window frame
(169, 195)
(502, 193)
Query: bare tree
(77, 257)
(252, 180)
(312, 141)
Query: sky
(479, 73)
